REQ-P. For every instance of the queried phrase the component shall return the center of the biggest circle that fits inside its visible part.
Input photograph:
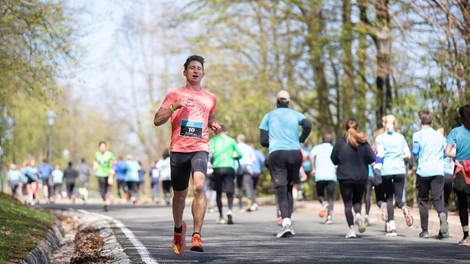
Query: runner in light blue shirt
(459, 138)
(325, 176)
(57, 181)
(428, 146)
(14, 179)
(279, 131)
(323, 168)
(393, 149)
(282, 135)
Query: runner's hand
(215, 127)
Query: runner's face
(195, 72)
(102, 147)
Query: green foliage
(35, 37)
(329, 67)
(30, 132)
(37, 40)
(324, 53)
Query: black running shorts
(184, 164)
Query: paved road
(252, 238)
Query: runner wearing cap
(279, 131)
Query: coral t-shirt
(190, 131)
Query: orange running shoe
(324, 209)
(179, 240)
(196, 244)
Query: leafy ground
(21, 228)
(88, 244)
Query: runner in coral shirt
(192, 112)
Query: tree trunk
(347, 85)
(383, 43)
(362, 63)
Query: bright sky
(117, 58)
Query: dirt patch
(88, 245)
(80, 244)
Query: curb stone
(52, 243)
(47, 246)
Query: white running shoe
(329, 220)
(392, 229)
(351, 234)
(229, 218)
(254, 207)
(359, 221)
(286, 231)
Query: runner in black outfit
(352, 154)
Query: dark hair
(166, 153)
(102, 142)
(223, 128)
(198, 58)
(353, 137)
(70, 164)
(282, 102)
(83, 160)
(464, 112)
(425, 117)
(327, 138)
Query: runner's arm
(162, 116)
(312, 163)
(264, 138)
(449, 152)
(306, 128)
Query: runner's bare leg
(200, 202)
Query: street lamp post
(6, 133)
(50, 121)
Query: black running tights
(352, 194)
(285, 200)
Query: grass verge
(21, 228)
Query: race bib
(191, 128)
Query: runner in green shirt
(224, 150)
(103, 170)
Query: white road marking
(143, 252)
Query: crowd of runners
(222, 164)
(355, 164)
(45, 184)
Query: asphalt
(118, 246)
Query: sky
(111, 75)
